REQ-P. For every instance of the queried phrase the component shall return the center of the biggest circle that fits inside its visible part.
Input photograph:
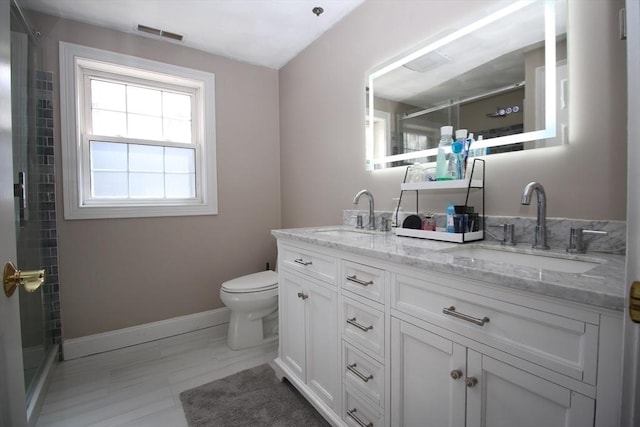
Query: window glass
(177, 130)
(176, 106)
(142, 171)
(109, 123)
(146, 185)
(144, 127)
(180, 160)
(108, 96)
(137, 112)
(146, 158)
(144, 101)
(109, 184)
(180, 186)
(108, 157)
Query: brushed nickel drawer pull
(451, 311)
(302, 295)
(302, 262)
(355, 279)
(352, 414)
(353, 322)
(359, 374)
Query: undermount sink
(542, 261)
(344, 233)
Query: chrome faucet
(540, 239)
(372, 215)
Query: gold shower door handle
(12, 278)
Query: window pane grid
(134, 171)
(127, 110)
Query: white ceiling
(262, 32)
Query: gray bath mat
(254, 397)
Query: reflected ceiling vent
(428, 61)
(160, 33)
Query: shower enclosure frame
(36, 230)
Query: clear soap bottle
(444, 153)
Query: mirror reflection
(488, 76)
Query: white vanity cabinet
(440, 380)
(388, 344)
(308, 309)
(469, 354)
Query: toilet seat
(256, 282)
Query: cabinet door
(292, 323)
(505, 396)
(423, 392)
(322, 342)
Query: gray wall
(122, 272)
(322, 118)
(125, 272)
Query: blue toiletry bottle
(451, 210)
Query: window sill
(107, 212)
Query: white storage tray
(440, 235)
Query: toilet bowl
(253, 302)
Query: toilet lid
(261, 281)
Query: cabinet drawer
(364, 374)
(363, 280)
(560, 343)
(363, 325)
(358, 413)
(314, 264)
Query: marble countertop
(602, 286)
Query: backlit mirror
(489, 76)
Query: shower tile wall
(47, 201)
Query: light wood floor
(140, 385)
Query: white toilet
(253, 301)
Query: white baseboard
(112, 340)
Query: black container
(412, 221)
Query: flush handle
(12, 278)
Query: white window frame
(76, 63)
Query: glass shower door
(25, 55)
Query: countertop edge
(598, 291)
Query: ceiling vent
(160, 33)
(429, 61)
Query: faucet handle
(508, 234)
(576, 240)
